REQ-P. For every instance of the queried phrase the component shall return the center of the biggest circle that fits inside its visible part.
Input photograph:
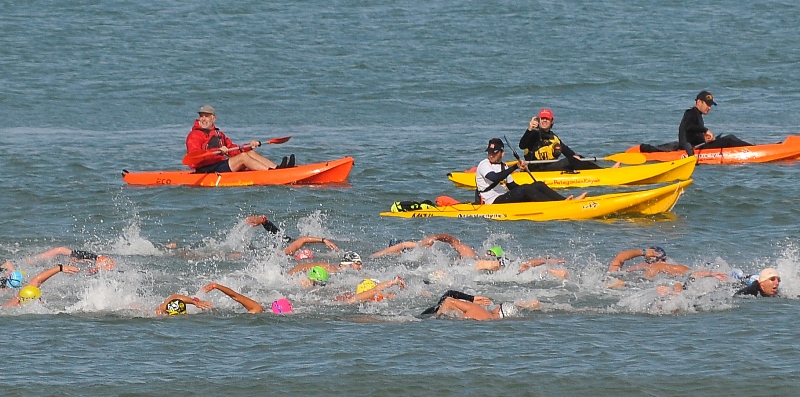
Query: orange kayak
(333, 171)
(786, 150)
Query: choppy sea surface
(411, 90)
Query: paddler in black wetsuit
(540, 143)
(692, 131)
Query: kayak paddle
(516, 156)
(197, 156)
(624, 158)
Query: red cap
(546, 114)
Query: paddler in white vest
(496, 186)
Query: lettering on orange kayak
(163, 181)
(491, 216)
(422, 215)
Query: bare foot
(570, 197)
(616, 165)
(582, 196)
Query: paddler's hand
(522, 164)
(223, 149)
(534, 123)
(708, 136)
(255, 144)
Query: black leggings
(536, 191)
(725, 141)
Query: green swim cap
(318, 274)
(496, 251)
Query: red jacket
(203, 140)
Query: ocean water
(412, 91)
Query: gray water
(411, 91)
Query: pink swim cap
(282, 306)
(304, 253)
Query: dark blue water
(411, 91)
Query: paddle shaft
(516, 156)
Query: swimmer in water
(371, 290)
(279, 306)
(494, 259)
(31, 290)
(175, 304)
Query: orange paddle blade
(276, 141)
(196, 157)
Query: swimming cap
(14, 279)
(83, 255)
(281, 306)
(394, 242)
(175, 306)
(662, 255)
(104, 262)
(304, 253)
(366, 285)
(318, 273)
(496, 251)
(28, 293)
(768, 273)
(350, 257)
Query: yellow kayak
(676, 170)
(646, 202)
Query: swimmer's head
(495, 251)
(366, 285)
(29, 293)
(318, 275)
(395, 241)
(14, 280)
(83, 255)
(351, 259)
(661, 257)
(104, 262)
(175, 306)
(304, 253)
(281, 306)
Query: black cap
(495, 144)
(706, 97)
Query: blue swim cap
(662, 255)
(14, 279)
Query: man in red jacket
(205, 136)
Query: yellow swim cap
(365, 286)
(29, 293)
(175, 306)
